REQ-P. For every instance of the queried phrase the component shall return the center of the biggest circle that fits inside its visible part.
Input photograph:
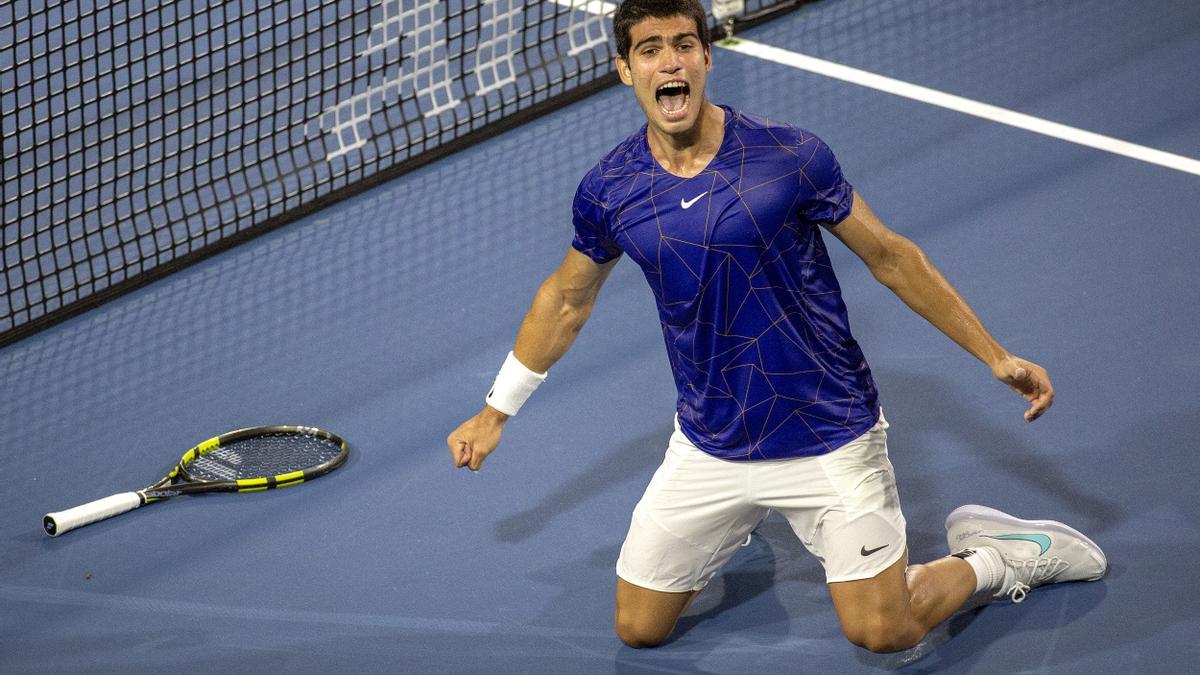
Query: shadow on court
(929, 422)
(634, 461)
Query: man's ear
(625, 71)
(708, 58)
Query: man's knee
(644, 617)
(884, 635)
(640, 634)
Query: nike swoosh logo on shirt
(687, 204)
(864, 552)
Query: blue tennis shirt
(751, 311)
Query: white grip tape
(514, 384)
(84, 514)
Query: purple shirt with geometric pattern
(752, 314)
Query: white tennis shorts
(698, 509)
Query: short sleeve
(591, 220)
(826, 195)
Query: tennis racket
(246, 460)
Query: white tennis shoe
(1035, 552)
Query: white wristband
(514, 384)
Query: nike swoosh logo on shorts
(1040, 539)
(687, 204)
(864, 552)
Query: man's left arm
(904, 268)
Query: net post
(725, 12)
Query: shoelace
(1018, 592)
(1033, 572)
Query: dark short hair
(630, 12)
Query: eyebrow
(658, 38)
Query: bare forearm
(549, 328)
(903, 267)
(560, 308)
(914, 279)
(546, 333)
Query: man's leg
(994, 552)
(646, 618)
(895, 609)
(689, 522)
(845, 507)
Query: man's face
(667, 68)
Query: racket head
(256, 458)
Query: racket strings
(263, 456)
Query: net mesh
(263, 456)
(139, 136)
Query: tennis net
(139, 136)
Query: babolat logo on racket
(161, 494)
(246, 460)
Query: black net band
(139, 136)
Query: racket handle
(64, 521)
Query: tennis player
(777, 408)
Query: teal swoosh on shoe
(1040, 539)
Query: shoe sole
(983, 513)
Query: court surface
(384, 319)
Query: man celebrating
(777, 408)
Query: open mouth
(672, 98)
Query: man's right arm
(560, 308)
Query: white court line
(964, 105)
(941, 99)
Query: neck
(688, 152)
